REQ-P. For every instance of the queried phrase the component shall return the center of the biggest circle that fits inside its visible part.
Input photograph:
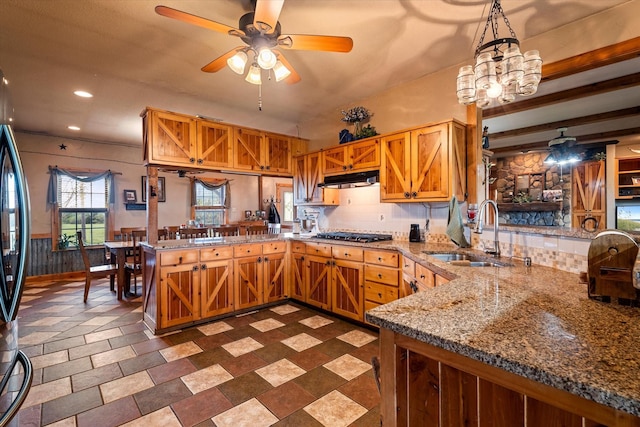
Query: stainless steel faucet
(478, 229)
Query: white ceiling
(129, 58)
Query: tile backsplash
(360, 210)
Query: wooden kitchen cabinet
(214, 145)
(426, 164)
(416, 277)
(169, 138)
(588, 196)
(307, 175)
(352, 157)
(260, 274)
(298, 278)
(178, 297)
(347, 282)
(381, 277)
(424, 385)
(179, 140)
(216, 281)
(276, 279)
(627, 185)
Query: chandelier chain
(492, 19)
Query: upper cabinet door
(395, 172)
(364, 155)
(215, 145)
(278, 154)
(335, 160)
(430, 162)
(170, 138)
(248, 150)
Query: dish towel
(455, 226)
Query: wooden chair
(134, 267)
(226, 230)
(274, 228)
(257, 229)
(97, 271)
(192, 233)
(126, 235)
(172, 231)
(162, 234)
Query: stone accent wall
(541, 177)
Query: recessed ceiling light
(5, 81)
(83, 94)
(73, 127)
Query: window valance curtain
(54, 172)
(212, 185)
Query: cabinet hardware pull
(200, 161)
(266, 259)
(422, 276)
(344, 168)
(203, 267)
(380, 259)
(379, 276)
(414, 194)
(379, 295)
(192, 160)
(259, 260)
(268, 167)
(261, 167)
(195, 268)
(179, 260)
(407, 195)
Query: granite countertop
(536, 322)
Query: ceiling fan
(261, 32)
(561, 149)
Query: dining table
(119, 249)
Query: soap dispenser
(414, 233)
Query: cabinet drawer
(298, 247)
(380, 274)
(247, 250)
(216, 252)
(274, 247)
(179, 257)
(368, 305)
(320, 249)
(386, 258)
(379, 293)
(408, 266)
(348, 252)
(425, 276)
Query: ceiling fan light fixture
(254, 76)
(280, 71)
(499, 66)
(237, 62)
(266, 58)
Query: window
(287, 208)
(83, 206)
(210, 200)
(80, 202)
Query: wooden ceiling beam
(605, 86)
(577, 121)
(604, 137)
(607, 55)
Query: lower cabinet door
(318, 282)
(179, 303)
(298, 276)
(275, 277)
(348, 289)
(216, 288)
(248, 281)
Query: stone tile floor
(96, 365)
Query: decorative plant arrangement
(522, 197)
(356, 116)
(64, 241)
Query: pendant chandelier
(500, 71)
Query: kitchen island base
(424, 385)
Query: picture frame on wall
(160, 191)
(130, 196)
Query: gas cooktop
(354, 237)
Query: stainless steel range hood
(351, 180)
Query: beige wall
(38, 152)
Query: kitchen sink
(465, 260)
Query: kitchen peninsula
(505, 344)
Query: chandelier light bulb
(266, 58)
(280, 71)
(494, 90)
(237, 62)
(254, 75)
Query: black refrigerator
(15, 367)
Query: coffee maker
(414, 233)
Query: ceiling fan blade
(220, 62)
(266, 14)
(308, 42)
(294, 77)
(197, 20)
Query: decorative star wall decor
(63, 147)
